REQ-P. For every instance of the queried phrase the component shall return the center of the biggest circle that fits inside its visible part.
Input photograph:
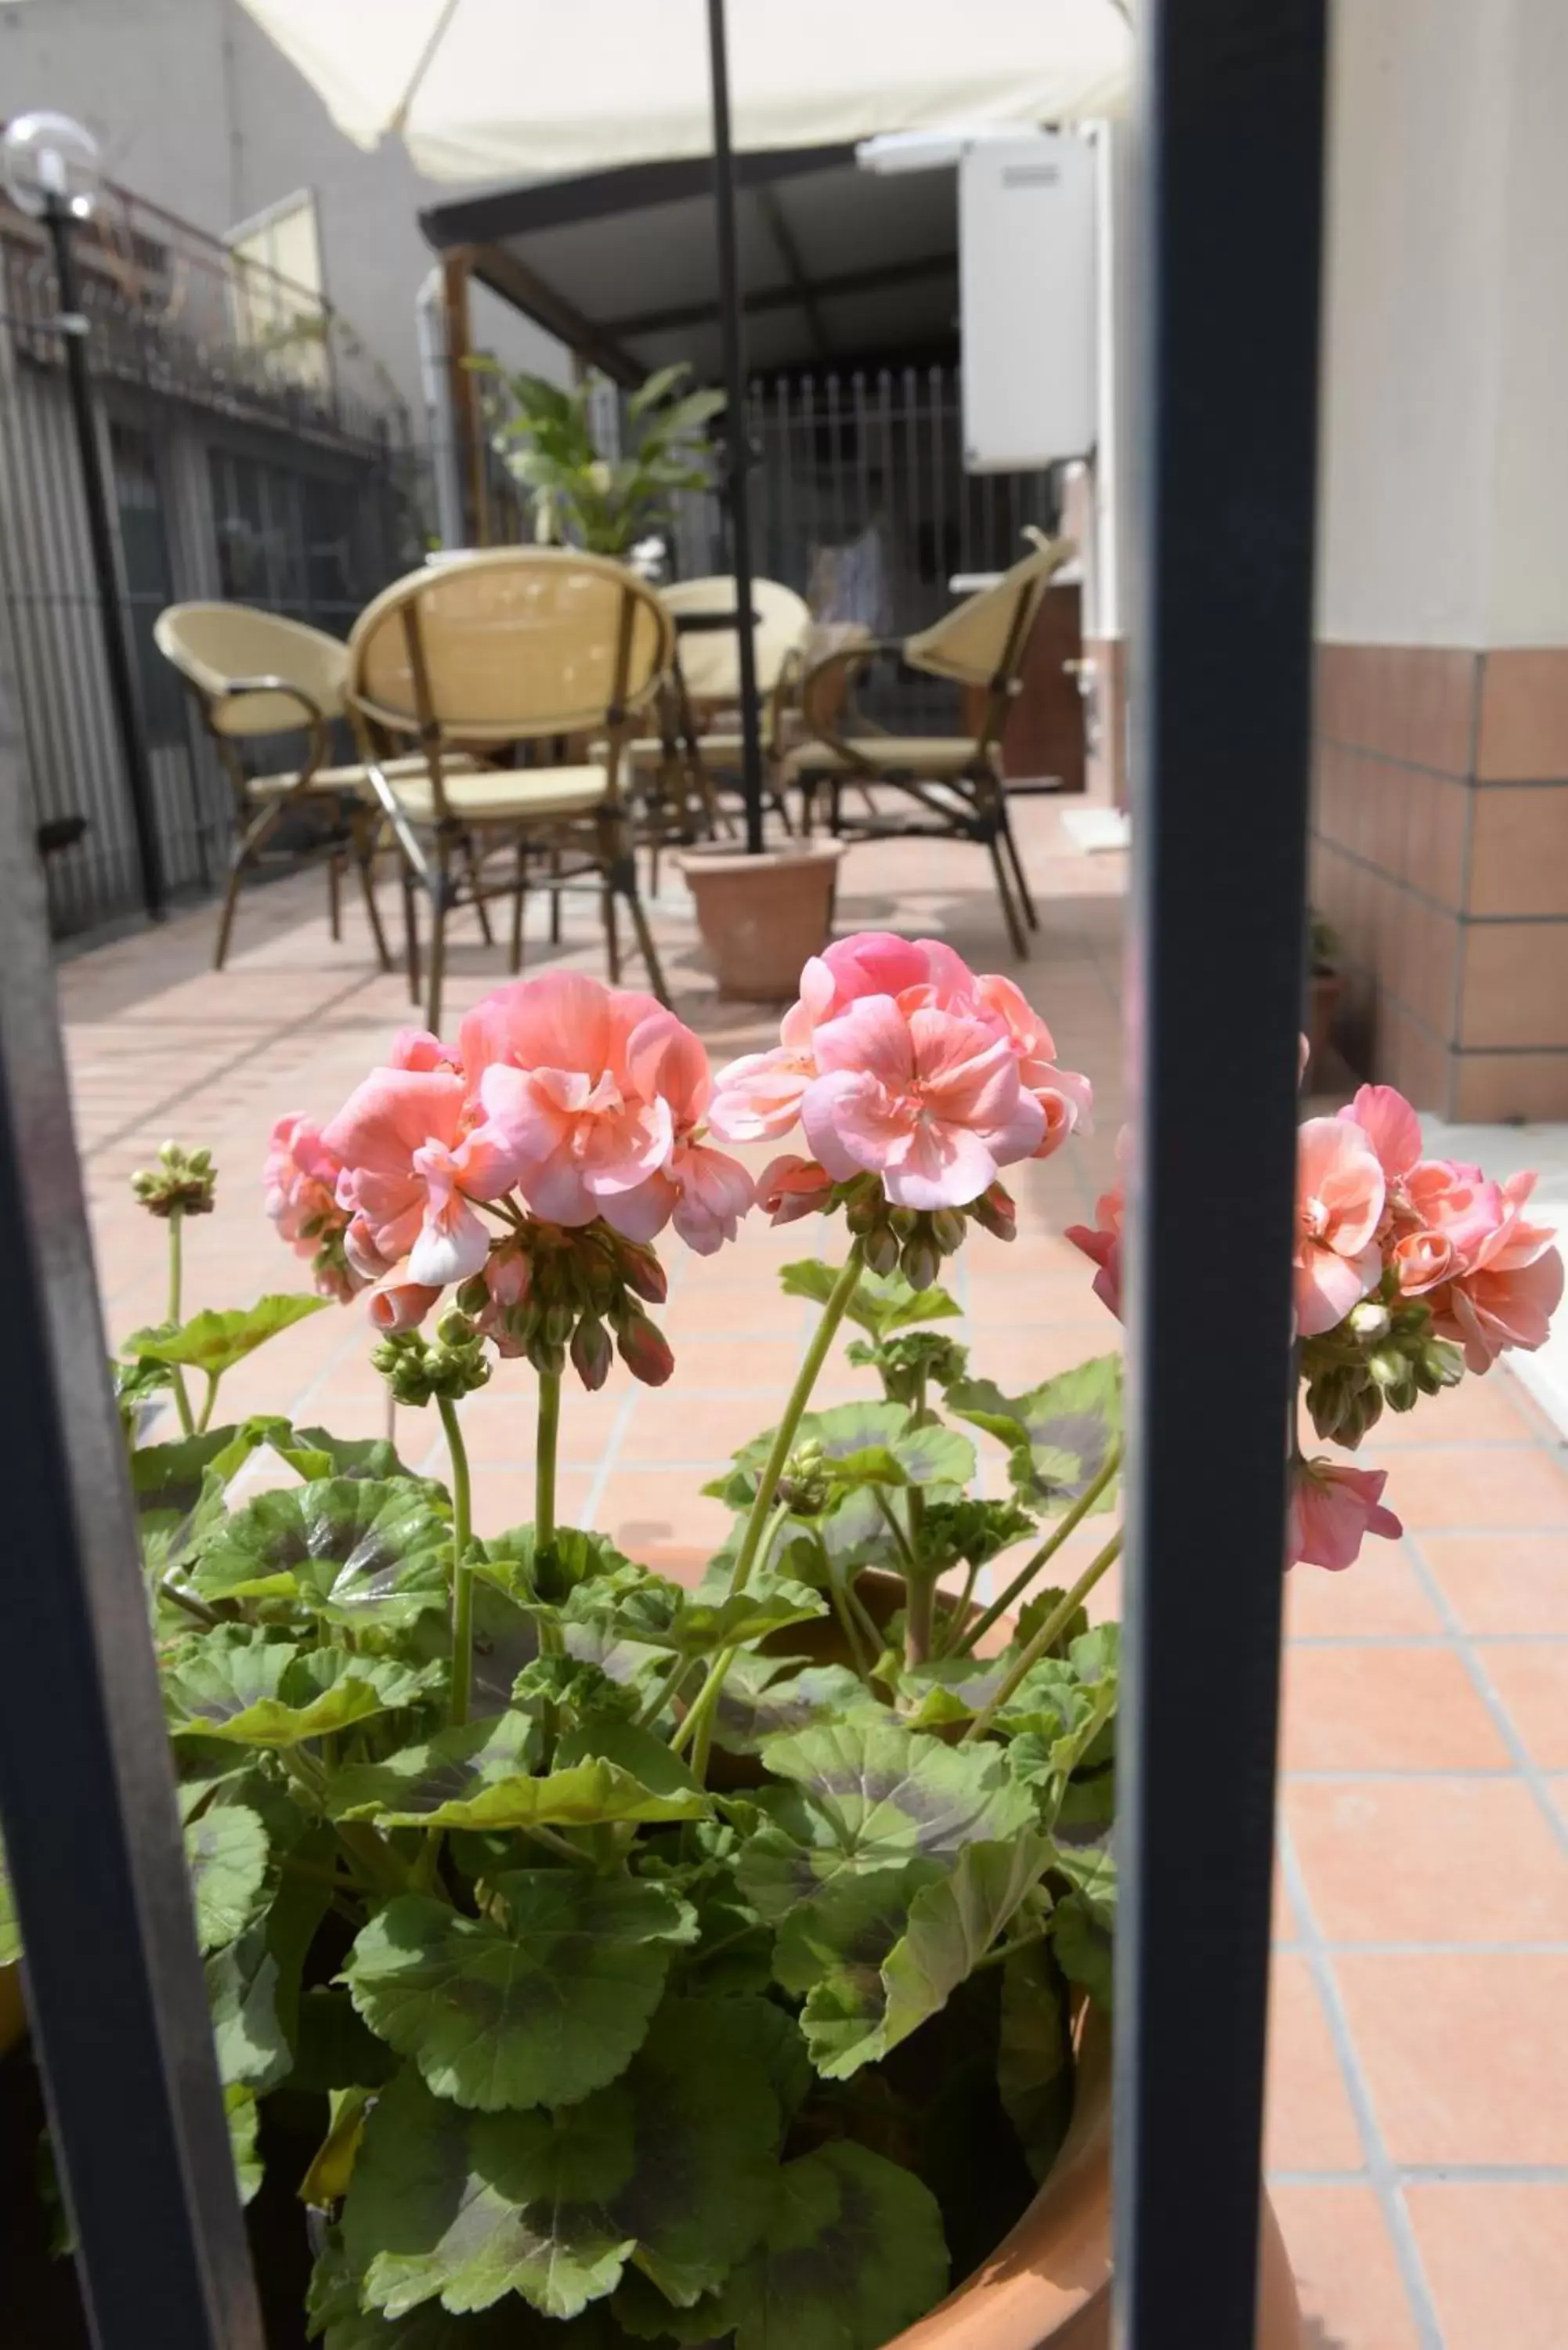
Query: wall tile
(1423, 974)
(1490, 1087)
(1388, 790)
(1435, 837)
(1410, 703)
(1523, 730)
(1515, 988)
(1519, 851)
(1410, 1058)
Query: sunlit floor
(1418, 2133)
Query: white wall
(1444, 515)
(195, 111)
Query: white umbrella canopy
(490, 90)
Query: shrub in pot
(594, 1960)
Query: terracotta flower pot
(13, 2014)
(761, 917)
(1323, 1002)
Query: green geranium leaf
(572, 1557)
(674, 2162)
(1035, 2055)
(10, 1933)
(314, 1453)
(225, 1852)
(853, 2253)
(178, 1489)
(242, 1993)
(865, 1797)
(875, 1956)
(881, 1303)
(537, 2003)
(336, 2320)
(653, 1613)
(418, 1780)
(235, 1684)
(1060, 1433)
(214, 1343)
(240, 2105)
(591, 1794)
(1081, 1942)
(610, 1738)
(764, 1697)
(352, 1550)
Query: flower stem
(547, 1437)
(176, 1283)
(1049, 1632)
(698, 1723)
(958, 1613)
(461, 1571)
(919, 1616)
(1047, 1550)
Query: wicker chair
(954, 780)
(515, 646)
(257, 675)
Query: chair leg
(412, 932)
(645, 947)
(612, 935)
(364, 858)
(1019, 876)
(554, 899)
(335, 897)
(517, 896)
(440, 899)
(1015, 930)
(237, 864)
(476, 883)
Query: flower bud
(645, 1351)
(1386, 1369)
(641, 1270)
(181, 1184)
(947, 1230)
(880, 1248)
(454, 1328)
(920, 1260)
(557, 1323)
(1370, 1320)
(474, 1294)
(592, 1352)
(995, 1212)
(548, 1356)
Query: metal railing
(1232, 128)
(240, 463)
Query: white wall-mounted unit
(1026, 277)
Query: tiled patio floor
(1418, 2111)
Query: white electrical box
(1026, 289)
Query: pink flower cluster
(901, 1063)
(588, 1102)
(1374, 1216)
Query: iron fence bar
(1231, 132)
(115, 1989)
(73, 328)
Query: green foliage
(645, 1993)
(544, 436)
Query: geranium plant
(597, 1959)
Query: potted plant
(581, 497)
(597, 1960)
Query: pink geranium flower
(929, 1100)
(1339, 1206)
(1066, 1097)
(1102, 1243)
(412, 1160)
(703, 1192)
(791, 1186)
(1391, 1126)
(1506, 1278)
(1332, 1510)
(299, 1181)
(397, 1304)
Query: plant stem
(665, 1694)
(1044, 1638)
(958, 1614)
(850, 1629)
(1047, 1550)
(1006, 1949)
(698, 1723)
(462, 1571)
(919, 1616)
(545, 1443)
(210, 1398)
(900, 1538)
(176, 1283)
(204, 1614)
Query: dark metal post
(737, 437)
(114, 1985)
(1232, 157)
(73, 329)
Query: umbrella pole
(737, 437)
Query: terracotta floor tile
(1502, 1583)
(1465, 2056)
(1489, 1486)
(651, 1514)
(499, 1421)
(672, 1424)
(1019, 1298)
(1380, 1597)
(1347, 2273)
(1019, 1359)
(1385, 1709)
(760, 1309)
(1496, 2257)
(1308, 2121)
(1429, 1860)
(1490, 1411)
(723, 1360)
(1532, 1683)
(504, 1497)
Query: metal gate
(1231, 166)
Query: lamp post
(50, 169)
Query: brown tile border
(1413, 703)
(1522, 731)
